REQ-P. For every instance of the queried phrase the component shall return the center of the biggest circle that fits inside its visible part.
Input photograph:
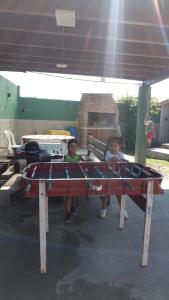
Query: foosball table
(45, 180)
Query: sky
(69, 87)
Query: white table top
(47, 138)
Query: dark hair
(32, 147)
(111, 140)
(72, 141)
(116, 139)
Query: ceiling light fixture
(65, 18)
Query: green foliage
(157, 162)
(128, 114)
(155, 110)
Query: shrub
(128, 114)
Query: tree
(155, 110)
(128, 115)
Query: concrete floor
(88, 259)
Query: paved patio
(88, 259)
(158, 153)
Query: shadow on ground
(88, 259)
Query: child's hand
(85, 158)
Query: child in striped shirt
(112, 153)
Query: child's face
(116, 147)
(72, 149)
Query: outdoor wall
(9, 94)
(164, 122)
(8, 107)
(47, 109)
(39, 126)
(39, 115)
(32, 115)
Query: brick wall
(102, 103)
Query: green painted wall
(16, 107)
(47, 109)
(9, 93)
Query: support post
(140, 147)
(42, 225)
(47, 215)
(122, 201)
(147, 222)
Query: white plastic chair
(11, 141)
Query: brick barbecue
(98, 117)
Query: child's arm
(123, 157)
(83, 158)
(108, 156)
(120, 157)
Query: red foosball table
(45, 180)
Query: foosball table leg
(147, 223)
(122, 200)
(47, 218)
(42, 225)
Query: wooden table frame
(44, 222)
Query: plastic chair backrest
(10, 137)
(11, 140)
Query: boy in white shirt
(112, 153)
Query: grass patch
(157, 162)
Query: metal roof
(119, 38)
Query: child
(71, 157)
(112, 153)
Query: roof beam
(9, 56)
(84, 36)
(119, 54)
(98, 51)
(115, 68)
(84, 18)
(87, 64)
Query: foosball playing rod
(83, 171)
(114, 172)
(141, 170)
(99, 172)
(135, 175)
